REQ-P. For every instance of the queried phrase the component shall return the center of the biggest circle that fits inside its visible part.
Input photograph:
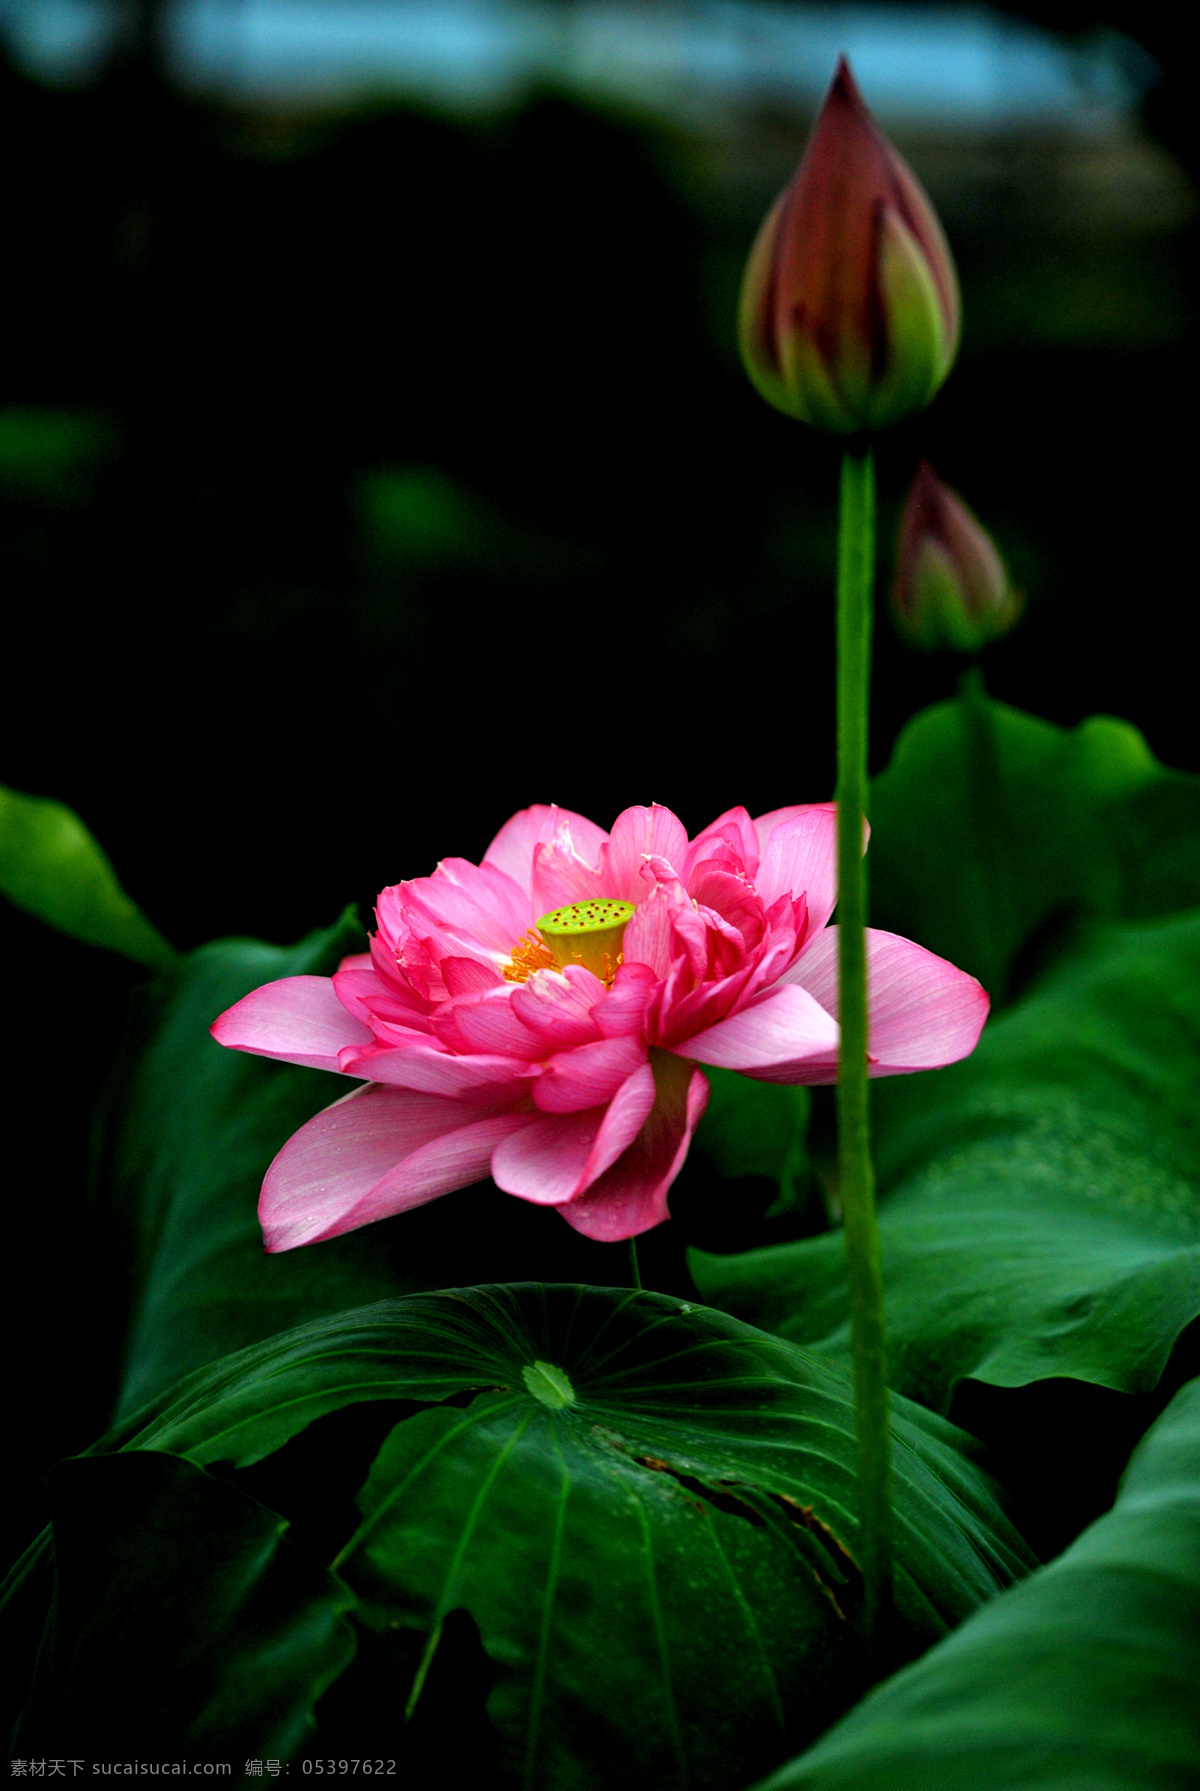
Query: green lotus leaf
(634, 1500)
(1041, 1210)
(1083, 1677)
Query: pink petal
(365, 994)
(779, 951)
(467, 976)
(512, 849)
(386, 967)
(558, 1155)
(680, 1017)
(562, 875)
(589, 1075)
(667, 994)
(422, 1066)
(469, 909)
(378, 1151)
(623, 1009)
(717, 948)
(689, 925)
(649, 937)
(800, 858)
(637, 834)
(298, 1019)
(735, 826)
(557, 1005)
(923, 1012)
(631, 1197)
(733, 898)
(487, 1023)
(720, 855)
(776, 1033)
(765, 825)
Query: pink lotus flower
(541, 1016)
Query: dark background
(270, 677)
(368, 474)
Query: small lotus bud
(849, 315)
(952, 589)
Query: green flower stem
(856, 577)
(635, 1279)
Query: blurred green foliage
(752, 1129)
(417, 522)
(183, 1619)
(991, 829)
(52, 867)
(53, 458)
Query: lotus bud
(849, 314)
(952, 589)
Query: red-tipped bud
(952, 589)
(849, 315)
